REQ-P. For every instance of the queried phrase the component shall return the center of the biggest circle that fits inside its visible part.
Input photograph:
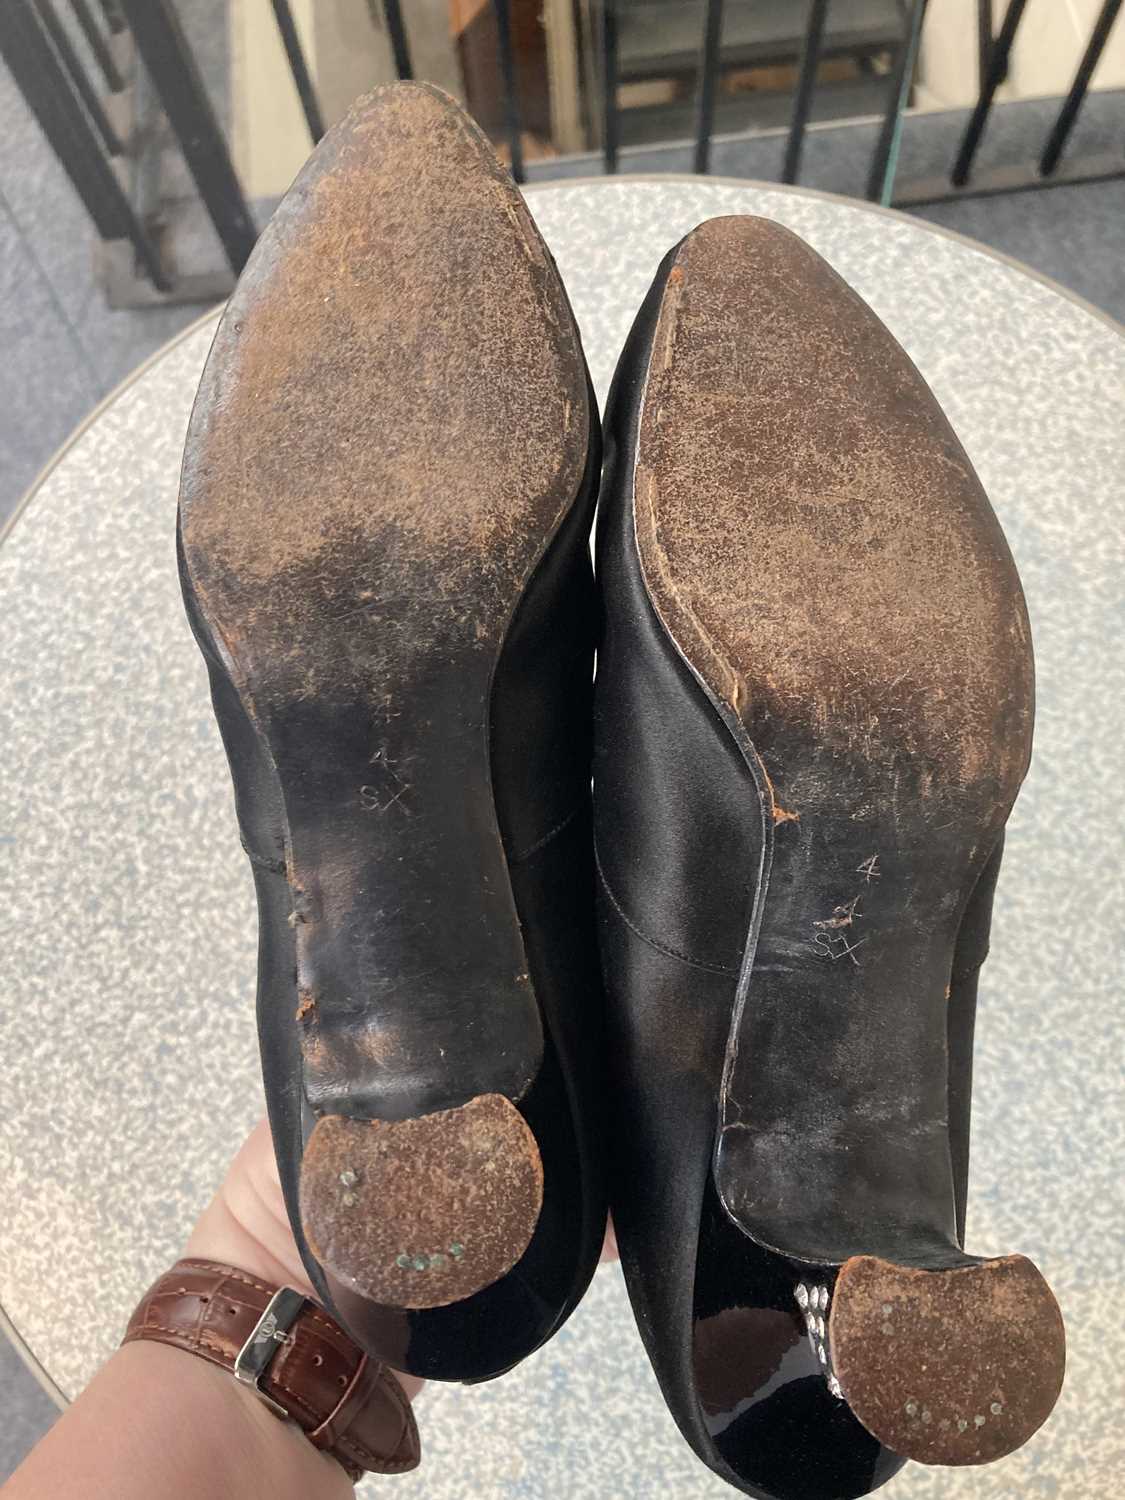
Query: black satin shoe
(386, 499)
(813, 713)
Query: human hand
(246, 1225)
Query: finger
(246, 1225)
(609, 1244)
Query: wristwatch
(297, 1358)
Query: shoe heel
(377, 1197)
(956, 1366)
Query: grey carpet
(1072, 234)
(28, 1410)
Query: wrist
(157, 1421)
(302, 1364)
(268, 1455)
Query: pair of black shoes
(813, 713)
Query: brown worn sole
(947, 1367)
(378, 1197)
(817, 547)
(393, 422)
(820, 554)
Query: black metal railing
(1049, 170)
(42, 77)
(300, 71)
(106, 149)
(993, 54)
(91, 122)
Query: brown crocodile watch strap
(345, 1403)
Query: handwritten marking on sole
(371, 801)
(837, 947)
(830, 940)
(842, 916)
(870, 868)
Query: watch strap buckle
(270, 1334)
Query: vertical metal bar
(984, 38)
(175, 76)
(113, 17)
(299, 68)
(709, 69)
(77, 75)
(994, 76)
(885, 156)
(610, 113)
(38, 75)
(396, 31)
(97, 45)
(802, 99)
(508, 74)
(1063, 125)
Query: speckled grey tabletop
(126, 1030)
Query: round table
(129, 1060)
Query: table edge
(95, 412)
(899, 215)
(31, 1362)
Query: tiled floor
(64, 349)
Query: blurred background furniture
(129, 1059)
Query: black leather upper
(679, 844)
(671, 786)
(540, 771)
(666, 777)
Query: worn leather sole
(817, 547)
(392, 425)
